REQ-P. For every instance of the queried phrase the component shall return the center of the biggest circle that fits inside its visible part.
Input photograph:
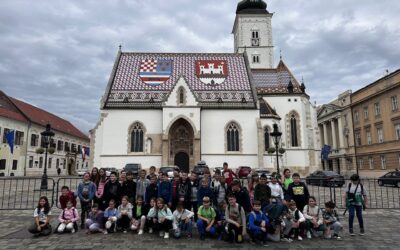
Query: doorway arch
(182, 161)
(180, 144)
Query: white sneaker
(141, 232)
(124, 231)
(309, 235)
(299, 238)
(166, 236)
(150, 230)
(105, 232)
(73, 230)
(161, 234)
(286, 240)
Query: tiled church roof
(126, 88)
(266, 111)
(275, 81)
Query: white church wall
(170, 115)
(213, 137)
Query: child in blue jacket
(165, 189)
(204, 191)
(258, 223)
(86, 194)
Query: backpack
(240, 210)
(352, 196)
(257, 223)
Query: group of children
(230, 212)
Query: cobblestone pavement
(382, 228)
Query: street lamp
(276, 135)
(46, 135)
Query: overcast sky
(58, 54)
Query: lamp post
(46, 135)
(276, 135)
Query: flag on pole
(85, 152)
(10, 140)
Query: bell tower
(252, 32)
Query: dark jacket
(69, 197)
(165, 191)
(243, 199)
(129, 189)
(203, 192)
(262, 193)
(145, 211)
(151, 192)
(184, 191)
(112, 191)
(299, 193)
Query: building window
(50, 162)
(369, 138)
(30, 161)
(181, 96)
(64, 164)
(256, 59)
(371, 162)
(5, 132)
(232, 137)
(380, 135)
(66, 146)
(73, 148)
(358, 138)
(383, 162)
(34, 140)
(79, 149)
(361, 163)
(254, 34)
(40, 162)
(266, 139)
(293, 131)
(397, 129)
(345, 119)
(395, 105)
(137, 138)
(366, 113)
(58, 163)
(60, 145)
(255, 39)
(15, 165)
(3, 163)
(356, 117)
(377, 109)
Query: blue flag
(10, 140)
(325, 152)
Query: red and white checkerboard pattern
(149, 65)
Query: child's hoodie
(68, 214)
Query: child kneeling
(42, 216)
(139, 212)
(313, 215)
(294, 222)
(236, 220)
(124, 214)
(258, 223)
(331, 221)
(161, 217)
(182, 221)
(94, 222)
(206, 218)
(68, 219)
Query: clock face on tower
(255, 42)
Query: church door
(182, 161)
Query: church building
(162, 109)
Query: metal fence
(23, 193)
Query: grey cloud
(58, 54)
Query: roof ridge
(184, 53)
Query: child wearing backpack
(356, 200)
(182, 221)
(331, 221)
(236, 220)
(68, 218)
(94, 222)
(42, 215)
(206, 219)
(294, 222)
(161, 217)
(258, 224)
(220, 220)
(313, 215)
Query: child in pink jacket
(68, 219)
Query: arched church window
(137, 135)
(266, 138)
(181, 96)
(232, 137)
(293, 130)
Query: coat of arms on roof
(155, 72)
(212, 71)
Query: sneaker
(150, 230)
(309, 235)
(265, 244)
(105, 232)
(337, 237)
(299, 238)
(161, 234)
(202, 237)
(73, 230)
(351, 232)
(286, 240)
(166, 236)
(362, 232)
(124, 231)
(140, 232)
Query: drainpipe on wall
(26, 146)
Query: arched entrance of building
(182, 161)
(180, 144)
